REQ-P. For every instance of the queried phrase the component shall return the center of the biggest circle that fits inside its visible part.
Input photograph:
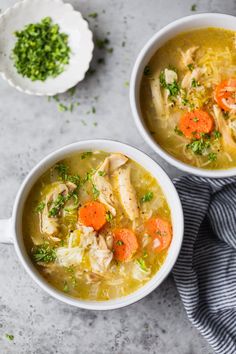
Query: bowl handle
(6, 231)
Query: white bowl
(11, 230)
(159, 39)
(70, 22)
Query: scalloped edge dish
(70, 22)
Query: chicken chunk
(102, 183)
(49, 225)
(127, 193)
(188, 55)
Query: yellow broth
(118, 280)
(216, 58)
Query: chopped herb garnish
(109, 216)
(193, 7)
(195, 119)
(73, 279)
(86, 154)
(101, 173)
(95, 192)
(195, 83)
(62, 108)
(212, 156)
(58, 204)
(185, 101)
(142, 264)
(62, 171)
(178, 131)
(72, 90)
(102, 43)
(126, 83)
(147, 197)
(41, 50)
(40, 207)
(199, 146)
(101, 61)
(217, 134)
(66, 287)
(147, 70)
(93, 15)
(173, 88)
(9, 336)
(44, 253)
(190, 66)
(119, 243)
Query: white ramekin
(70, 21)
(11, 229)
(159, 39)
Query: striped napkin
(205, 273)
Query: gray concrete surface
(31, 127)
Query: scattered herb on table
(93, 15)
(41, 50)
(147, 197)
(9, 336)
(193, 7)
(44, 253)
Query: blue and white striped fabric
(205, 273)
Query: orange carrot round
(193, 124)
(160, 231)
(93, 214)
(125, 244)
(225, 94)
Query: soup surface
(188, 97)
(97, 225)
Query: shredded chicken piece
(188, 56)
(127, 193)
(224, 129)
(92, 277)
(102, 183)
(100, 256)
(170, 76)
(49, 225)
(189, 76)
(139, 273)
(157, 96)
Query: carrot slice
(93, 214)
(125, 244)
(195, 123)
(225, 94)
(160, 231)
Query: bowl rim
(144, 290)
(134, 98)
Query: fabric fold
(205, 272)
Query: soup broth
(97, 226)
(188, 97)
